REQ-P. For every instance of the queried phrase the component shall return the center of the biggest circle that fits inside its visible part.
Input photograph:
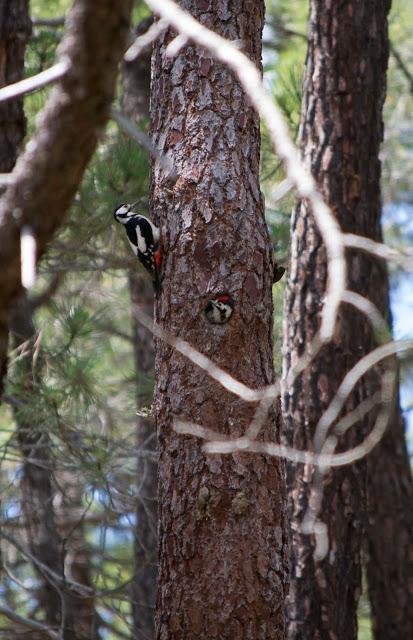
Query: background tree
(87, 382)
(340, 135)
(136, 78)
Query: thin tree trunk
(135, 105)
(222, 538)
(390, 535)
(36, 484)
(144, 585)
(15, 30)
(340, 135)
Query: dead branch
(34, 83)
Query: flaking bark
(222, 542)
(340, 134)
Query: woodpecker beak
(135, 203)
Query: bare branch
(250, 78)
(144, 141)
(28, 623)
(40, 80)
(45, 296)
(379, 249)
(145, 40)
(227, 381)
(48, 22)
(349, 382)
(402, 66)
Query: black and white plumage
(143, 237)
(219, 310)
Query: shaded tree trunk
(144, 585)
(340, 135)
(222, 539)
(390, 535)
(15, 30)
(61, 549)
(36, 484)
(136, 78)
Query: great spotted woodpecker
(143, 237)
(219, 310)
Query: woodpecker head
(123, 213)
(219, 310)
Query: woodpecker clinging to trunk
(144, 238)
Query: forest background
(94, 380)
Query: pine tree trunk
(340, 135)
(136, 78)
(222, 537)
(15, 30)
(390, 535)
(144, 584)
(37, 491)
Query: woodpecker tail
(156, 283)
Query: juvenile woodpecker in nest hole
(144, 238)
(219, 310)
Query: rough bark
(390, 535)
(48, 173)
(222, 541)
(340, 134)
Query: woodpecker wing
(140, 234)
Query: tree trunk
(144, 585)
(390, 535)
(136, 78)
(36, 484)
(222, 538)
(340, 135)
(15, 30)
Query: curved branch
(27, 622)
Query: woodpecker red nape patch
(224, 299)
